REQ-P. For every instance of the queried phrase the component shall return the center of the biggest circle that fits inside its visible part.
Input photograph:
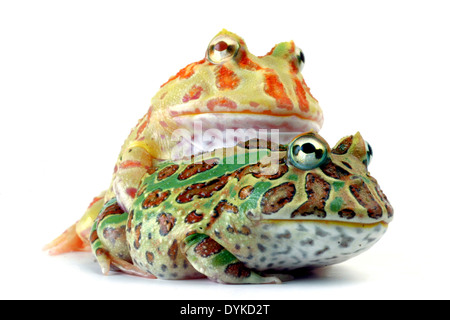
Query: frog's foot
(76, 237)
(108, 262)
(67, 242)
(218, 264)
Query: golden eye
(307, 152)
(222, 49)
(300, 57)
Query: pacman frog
(229, 88)
(247, 214)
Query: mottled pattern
(318, 191)
(277, 197)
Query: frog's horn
(353, 144)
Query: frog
(254, 213)
(229, 88)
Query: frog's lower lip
(245, 121)
(331, 222)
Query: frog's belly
(291, 245)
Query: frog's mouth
(225, 129)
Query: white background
(75, 76)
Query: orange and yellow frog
(229, 89)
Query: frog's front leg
(109, 242)
(134, 162)
(217, 263)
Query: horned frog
(230, 88)
(247, 214)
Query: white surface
(75, 76)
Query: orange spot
(253, 104)
(130, 164)
(226, 79)
(307, 89)
(301, 95)
(294, 66)
(186, 72)
(193, 94)
(142, 126)
(248, 64)
(222, 102)
(275, 89)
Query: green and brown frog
(247, 214)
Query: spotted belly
(287, 245)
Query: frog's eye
(307, 152)
(222, 49)
(369, 153)
(300, 57)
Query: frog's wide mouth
(247, 125)
(343, 224)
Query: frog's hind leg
(76, 237)
(218, 264)
(109, 243)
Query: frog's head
(233, 89)
(326, 184)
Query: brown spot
(166, 223)
(150, 257)
(155, 198)
(245, 231)
(130, 220)
(100, 252)
(334, 171)
(259, 170)
(141, 190)
(203, 190)
(387, 204)
(276, 198)
(152, 170)
(93, 237)
(193, 217)
(245, 192)
(137, 236)
(260, 144)
(115, 234)
(167, 172)
(222, 207)
(110, 210)
(365, 198)
(347, 213)
(343, 146)
(173, 251)
(207, 247)
(318, 191)
(238, 270)
(196, 168)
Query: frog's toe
(280, 277)
(67, 242)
